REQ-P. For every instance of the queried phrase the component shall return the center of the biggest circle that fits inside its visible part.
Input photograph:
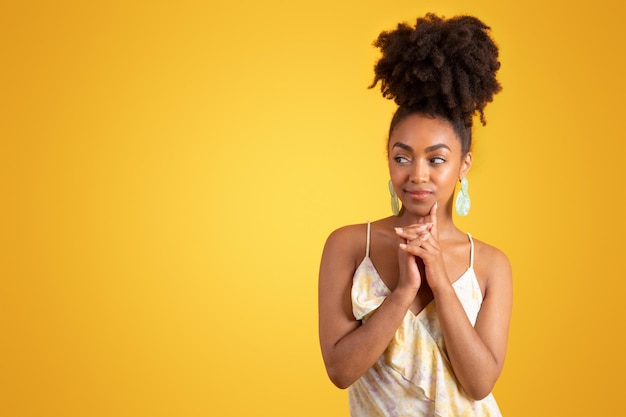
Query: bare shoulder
(350, 232)
(343, 251)
(347, 242)
(491, 264)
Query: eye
(437, 160)
(401, 159)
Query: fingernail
(402, 246)
(399, 229)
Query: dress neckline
(469, 272)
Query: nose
(419, 173)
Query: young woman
(413, 312)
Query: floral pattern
(413, 377)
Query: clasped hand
(421, 241)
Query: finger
(416, 246)
(413, 231)
(410, 248)
(418, 237)
(432, 214)
(418, 226)
(432, 217)
(428, 244)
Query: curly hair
(441, 67)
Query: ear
(466, 164)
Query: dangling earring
(463, 203)
(395, 204)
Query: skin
(418, 254)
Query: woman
(413, 312)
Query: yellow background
(169, 172)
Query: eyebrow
(428, 149)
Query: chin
(421, 211)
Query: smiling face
(425, 163)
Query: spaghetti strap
(367, 247)
(471, 250)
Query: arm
(350, 348)
(476, 353)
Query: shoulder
(348, 244)
(349, 232)
(351, 239)
(491, 263)
(354, 237)
(489, 253)
(344, 250)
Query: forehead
(422, 131)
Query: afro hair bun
(440, 66)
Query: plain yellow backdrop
(169, 172)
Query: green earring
(395, 204)
(463, 203)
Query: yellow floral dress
(413, 377)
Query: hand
(411, 266)
(410, 275)
(422, 241)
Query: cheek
(397, 174)
(449, 180)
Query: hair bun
(440, 66)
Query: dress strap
(471, 250)
(367, 247)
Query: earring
(395, 204)
(463, 203)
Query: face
(425, 162)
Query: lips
(418, 195)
